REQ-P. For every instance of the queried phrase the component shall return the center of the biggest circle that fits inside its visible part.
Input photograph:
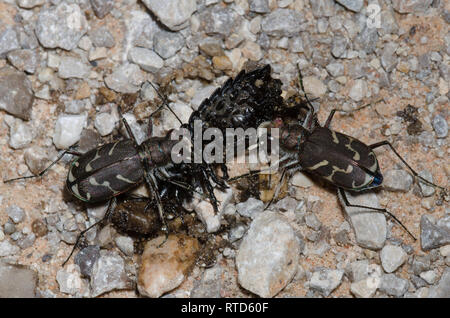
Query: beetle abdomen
(105, 172)
(344, 161)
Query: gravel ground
(57, 58)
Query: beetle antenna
(165, 103)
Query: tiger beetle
(105, 172)
(343, 161)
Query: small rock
(8, 249)
(397, 180)
(28, 4)
(210, 284)
(211, 46)
(68, 130)
(167, 44)
(69, 280)
(335, 69)
(340, 45)
(174, 14)
(104, 123)
(8, 42)
(9, 227)
(74, 106)
(70, 67)
(389, 58)
(426, 189)
(23, 60)
(15, 213)
(358, 91)
(283, 22)
(250, 208)
(410, 6)
(312, 221)
(393, 285)
(126, 78)
(16, 94)
(20, 135)
(86, 259)
(26, 241)
(365, 288)
(420, 264)
(429, 276)
(125, 244)
(252, 51)
(323, 8)
(61, 26)
(442, 289)
(392, 257)
(440, 126)
(108, 273)
(352, 5)
(370, 227)
(148, 60)
(101, 37)
(259, 6)
(205, 210)
(268, 256)
(219, 20)
(431, 235)
(314, 86)
(222, 63)
(17, 281)
(163, 268)
(326, 280)
(102, 7)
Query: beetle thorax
(157, 151)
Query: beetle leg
(40, 174)
(111, 206)
(127, 127)
(307, 123)
(277, 189)
(210, 189)
(342, 194)
(165, 103)
(333, 111)
(416, 175)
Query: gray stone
(104, 123)
(16, 94)
(15, 213)
(358, 91)
(27, 38)
(250, 208)
(352, 5)
(23, 60)
(237, 232)
(325, 280)
(440, 126)
(61, 26)
(397, 180)
(426, 189)
(388, 58)
(296, 45)
(339, 47)
(420, 264)
(393, 285)
(8, 42)
(108, 274)
(20, 135)
(125, 244)
(174, 14)
(268, 256)
(218, 20)
(68, 130)
(166, 44)
(75, 106)
(26, 241)
(335, 69)
(126, 78)
(323, 8)
(209, 285)
(69, 280)
(442, 289)
(28, 4)
(432, 235)
(102, 7)
(283, 22)
(410, 6)
(312, 221)
(86, 259)
(71, 67)
(392, 257)
(17, 281)
(148, 60)
(429, 276)
(389, 22)
(367, 39)
(8, 249)
(370, 227)
(101, 37)
(259, 6)
(9, 227)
